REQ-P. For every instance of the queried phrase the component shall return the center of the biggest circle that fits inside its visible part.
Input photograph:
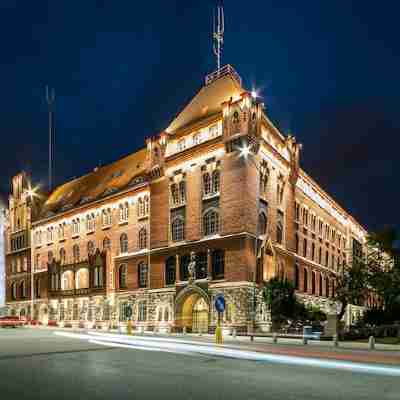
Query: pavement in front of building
(37, 364)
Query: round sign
(220, 303)
(128, 312)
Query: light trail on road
(194, 348)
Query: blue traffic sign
(220, 303)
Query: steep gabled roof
(101, 182)
(207, 102)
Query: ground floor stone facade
(189, 307)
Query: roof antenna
(50, 98)
(218, 33)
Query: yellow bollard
(218, 335)
(129, 327)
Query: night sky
(328, 72)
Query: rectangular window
(142, 311)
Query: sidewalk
(347, 351)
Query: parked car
(9, 321)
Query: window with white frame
(211, 183)
(181, 145)
(142, 311)
(75, 253)
(178, 229)
(210, 222)
(143, 206)
(90, 222)
(142, 240)
(213, 131)
(123, 243)
(142, 274)
(124, 212)
(106, 217)
(62, 256)
(197, 138)
(50, 234)
(75, 226)
(61, 231)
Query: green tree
(279, 296)
(351, 286)
(383, 265)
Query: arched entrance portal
(192, 310)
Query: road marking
(190, 347)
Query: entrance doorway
(192, 311)
(200, 316)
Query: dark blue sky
(329, 72)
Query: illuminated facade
(220, 190)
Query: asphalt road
(36, 364)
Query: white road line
(190, 347)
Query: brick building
(215, 204)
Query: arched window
(140, 207)
(142, 241)
(142, 311)
(297, 243)
(90, 248)
(75, 253)
(174, 194)
(106, 217)
(210, 222)
(178, 229)
(305, 280)
(262, 224)
(170, 270)
(122, 271)
(142, 275)
(327, 291)
(305, 248)
(50, 257)
(184, 263)
(146, 205)
(182, 191)
(62, 256)
(106, 244)
(98, 276)
(313, 251)
(320, 255)
(218, 264)
(82, 279)
(320, 285)
(296, 277)
(215, 181)
(201, 265)
(22, 289)
(279, 232)
(124, 212)
(313, 282)
(14, 291)
(123, 243)
(206, 184)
